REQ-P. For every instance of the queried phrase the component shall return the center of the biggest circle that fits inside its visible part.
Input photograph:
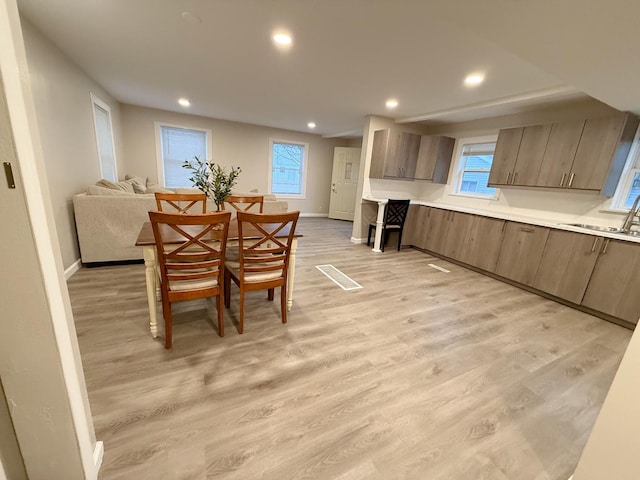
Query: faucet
(629, 219)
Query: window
(175, 145)
(104, 139)
(629, 185)
(287, 165)
(474, 165)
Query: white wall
(64, 113)
(233, 144)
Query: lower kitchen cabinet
(438, 226)
(483, 243)
(614, 287)
(458, 233)
(567, 262)
(421, 226)
(522, 247)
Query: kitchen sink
(597, 228)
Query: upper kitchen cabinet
(434, 158)
(505, 155)
(394, 155)
(560, 154)
(518, 155)
(602, 153)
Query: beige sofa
(108, 225)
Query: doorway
(344, 182)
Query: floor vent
(339, 278)
(439, 268)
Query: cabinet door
(483, 243)
(558, 156)
(421, 227)
(457, 234)
(505, 155)
(410, 225)
(532, 147)
(434, 158)
(379, 153)
(408, 156)
(521, 251)
(615, 283)
(437, 230)
(567, 263)
(595, 152)
(392, 158)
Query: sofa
(108, 223)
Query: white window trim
(305, 167)
(159, 161)
(457, 170)
(624, 185)
(102, 104)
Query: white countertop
(542, 222)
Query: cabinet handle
(606, 244)
(527, 230)
(571, 179)
(508, 178)
(595, 244)
(515, 175)
(564, 175)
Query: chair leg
(385, 237)
(227, 288)
(220, 314)
(168, 323)
(283, 303)
(399, 239)
(270, 294)
(371, 227)
(241, 322)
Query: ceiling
(347, 59)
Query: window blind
(104, 138)
(178, 145)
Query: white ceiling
(348, 56)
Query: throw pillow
(97, 190)
(126, 186)
(139, 184)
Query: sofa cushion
(96, 190)
(139, 184)
(126, 186)
(158, 189)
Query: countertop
(542, 222)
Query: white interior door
(344, 182)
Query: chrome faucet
(629, 219)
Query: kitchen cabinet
(518, 155)
(438, 226)
(602, 153)
(410, 225)
(457, 236)
(521, 251)
(422, 227)
(557, 162)
(505, 155)
(615, 282)
(567, 262)
(483, 243)
(530, 155)
(394, 154)
(434, 158)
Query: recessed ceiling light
(184, 102)
(474, 79)
(311, 125)
(392, 103)
(282, 39)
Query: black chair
(395, 214)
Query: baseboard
(314, 214)
(358, 240)
(73, 268)
(98, 453)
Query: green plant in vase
(212, 179)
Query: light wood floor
(419, 375)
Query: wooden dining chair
(244, 203)
(261, 260)
(191, 252)
(395, 214)
(181, 202)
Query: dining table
(147, 241)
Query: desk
(147, 241)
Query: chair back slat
(181, 202)
(244, 203)
(396, 212)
